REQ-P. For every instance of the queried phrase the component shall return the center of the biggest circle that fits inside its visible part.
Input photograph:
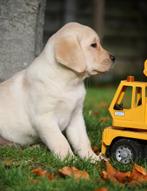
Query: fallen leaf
(95, 113)
(72, 171)
(110, 172)
(8, 163)
(114, 175)
(41, 172)
(140, 169)
(104, 175)
(136, 176)
(101, 189)
(95, 150)
(103, 104)
(34, 181)
(104, 119)
(110, 169)
(122, 177)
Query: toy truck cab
(126, 139)
(128, 107)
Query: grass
(16, 163)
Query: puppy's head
(78, 48)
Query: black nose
(112, 58)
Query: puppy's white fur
(47, 97)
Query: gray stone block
(21, 33)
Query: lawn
(16, 163)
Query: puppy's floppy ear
(69, 53)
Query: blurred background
(26, 25)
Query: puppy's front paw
(93, 157)
(102, 157)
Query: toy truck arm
(145, 68)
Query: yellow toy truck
(126, 140)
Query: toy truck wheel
(125, 151)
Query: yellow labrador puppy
(47, 97)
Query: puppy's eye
(94, 45)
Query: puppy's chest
(66, 108)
